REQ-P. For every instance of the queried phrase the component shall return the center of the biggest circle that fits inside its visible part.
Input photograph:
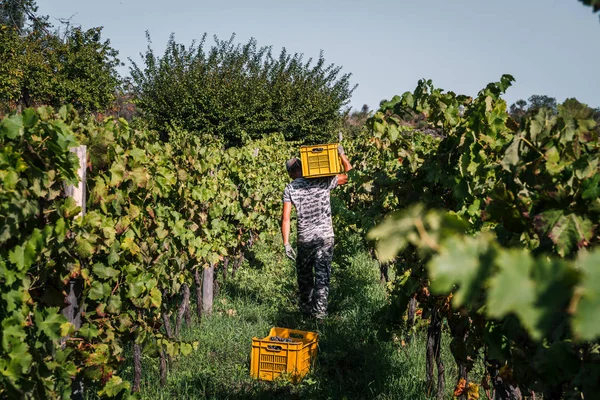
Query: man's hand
(343, 178)
(289, 251)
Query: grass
(352, 362)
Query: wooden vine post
(207, 289)
(74, 301)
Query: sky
(551, 47)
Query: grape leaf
(11, 127)
(461, 261)
(511, 290)
(50, 322)
(586, 320)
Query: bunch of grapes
(280, 339)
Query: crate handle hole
(274, 348)
(317, 150)
(296, 336)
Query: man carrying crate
(311, 199)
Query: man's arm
(285, 222)
(285, 230)
(346, 162)
(343, 178)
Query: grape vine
(496, 231)
(157, 214)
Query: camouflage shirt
(313, 207)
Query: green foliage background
(39, 67)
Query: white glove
(289, 251)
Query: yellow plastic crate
(320, 160)
(269, 359)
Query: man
(311, 199)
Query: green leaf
(451, 115)
(566, 231)
(104, 272)
(546, 220)
(497, 342)
(14, 298)
(24, 256)
(60, 229)
(185, 348)
(113, 256)
(12, 127)
(17, 257)
(553, 163)
(136, 289)
(505, 82)
(392, 234)
(70, 208)
(133, 211)
(10, 180)
(554, 280)
(137, 154)
(124, 322)
(20, 361)
(12, 329)
(569, 231)
(50, 321)
(461, 261)
(88, 331)
(117, 172)
(99, 290)
(590, 189)
(155, 297)
(586, 320)
(393, 131)
(129, 244)
(114, 304)
(62, 112)
(30, 117)
(99, 356)
(511, 155)
(556, 361)
(511, 290)
(84, 248)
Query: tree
(541, 101)
(519, 109)
(522, 108)
(572, 109)
(355, 120)
(22, 16)
(38, 66)
(235, 91)
(86, 71)
(12, 13)
(595, 4)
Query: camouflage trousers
(313, 268)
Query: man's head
(294, 168)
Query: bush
(39, 67)
(234, 91)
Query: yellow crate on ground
(320, 160)
(269, 359)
